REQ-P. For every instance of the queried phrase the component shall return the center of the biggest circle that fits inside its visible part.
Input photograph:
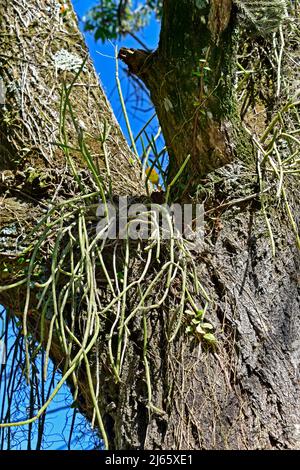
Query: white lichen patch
(65, 60)
(14, 88)
(200, 4)
(56, 6)
(167, 104)
(12, 230)
(2, 92)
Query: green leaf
(200, 313)
(210, 338)
(190, 313)
(207, 326)
(199, 329)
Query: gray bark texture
(245, 393)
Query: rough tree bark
(190, 79)
(41, 51)
(245, 393)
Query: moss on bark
(191, 80)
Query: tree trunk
(174, 390)
(53, 114)
(190, 79)
(41, 51)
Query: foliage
(137, 278)
(111, 19)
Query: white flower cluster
(65, 60)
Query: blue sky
(105, 66)
(59, 416)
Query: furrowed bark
(190, 78)
(40, 54)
